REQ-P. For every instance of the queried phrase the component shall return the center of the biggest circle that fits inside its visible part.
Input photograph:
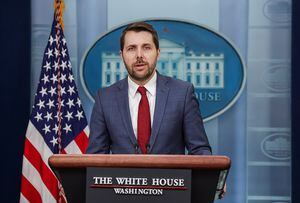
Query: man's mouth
(140, 64)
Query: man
(146, 112)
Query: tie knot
(142, 90)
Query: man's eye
(147, 48)
(130, 48)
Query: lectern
(140, 178)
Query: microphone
(148, 148)
(136, 148)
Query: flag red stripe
(47, 176)
(29, 192)
(82, 141)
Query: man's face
(140, 56)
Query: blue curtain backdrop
(17, 88)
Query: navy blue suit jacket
(177, 123)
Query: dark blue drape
(15, 93)
(295, 102)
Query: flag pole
(59, 7)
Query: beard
(131, 69)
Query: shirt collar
(150, 86)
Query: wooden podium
(207, 177)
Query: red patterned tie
(144, 123)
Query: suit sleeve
(99, 141)
(193, 128)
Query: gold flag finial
(59, 7)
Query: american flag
(57, 123)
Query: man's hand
(223, 192)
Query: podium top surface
(140, 161)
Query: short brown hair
(138, 27)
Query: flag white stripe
(33, 176)
(36, 139)
(87, 131)
(23, 199)
(73, 148)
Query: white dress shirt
(135, 97)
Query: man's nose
(139, 53)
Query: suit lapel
(123, 103)
(162, 92)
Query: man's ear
(158, 53)
(121, 54)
